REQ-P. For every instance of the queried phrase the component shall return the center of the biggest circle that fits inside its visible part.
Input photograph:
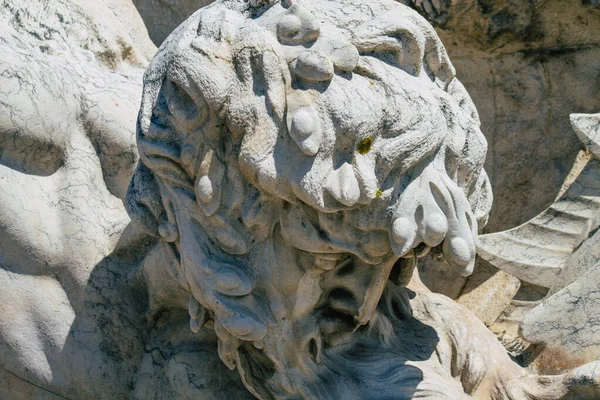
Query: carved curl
(248, 121)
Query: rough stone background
(527, 65)
(163, 16)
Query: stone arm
(486, 371)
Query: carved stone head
(297, 156)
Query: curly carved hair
(343, 124)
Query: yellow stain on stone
(364, 146)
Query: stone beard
(297, 158)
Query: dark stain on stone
(501, 22)
(485, 6)
(364, 146)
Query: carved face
(301, 150)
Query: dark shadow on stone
(369, 367)
(118, 348)
(161, 17)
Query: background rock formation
(162, 16)
(527, 65)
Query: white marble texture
(110, 32)
(67, 153)
(296, 159)
(304, 154)
(71, 317)
(560, 250)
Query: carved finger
(459, 244)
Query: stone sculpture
(559, 251)
(70, 84)
(296, 159)
(270, 137)
(524, 72)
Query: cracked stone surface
(527, 65)
(67, 152)
(559, 250)
(110, 33)
(569, 319)
(71, 321)
(257, 235)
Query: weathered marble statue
(297, 158)
(559, 250)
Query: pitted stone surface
(110, 32)
(296, 159)
(559, 250)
